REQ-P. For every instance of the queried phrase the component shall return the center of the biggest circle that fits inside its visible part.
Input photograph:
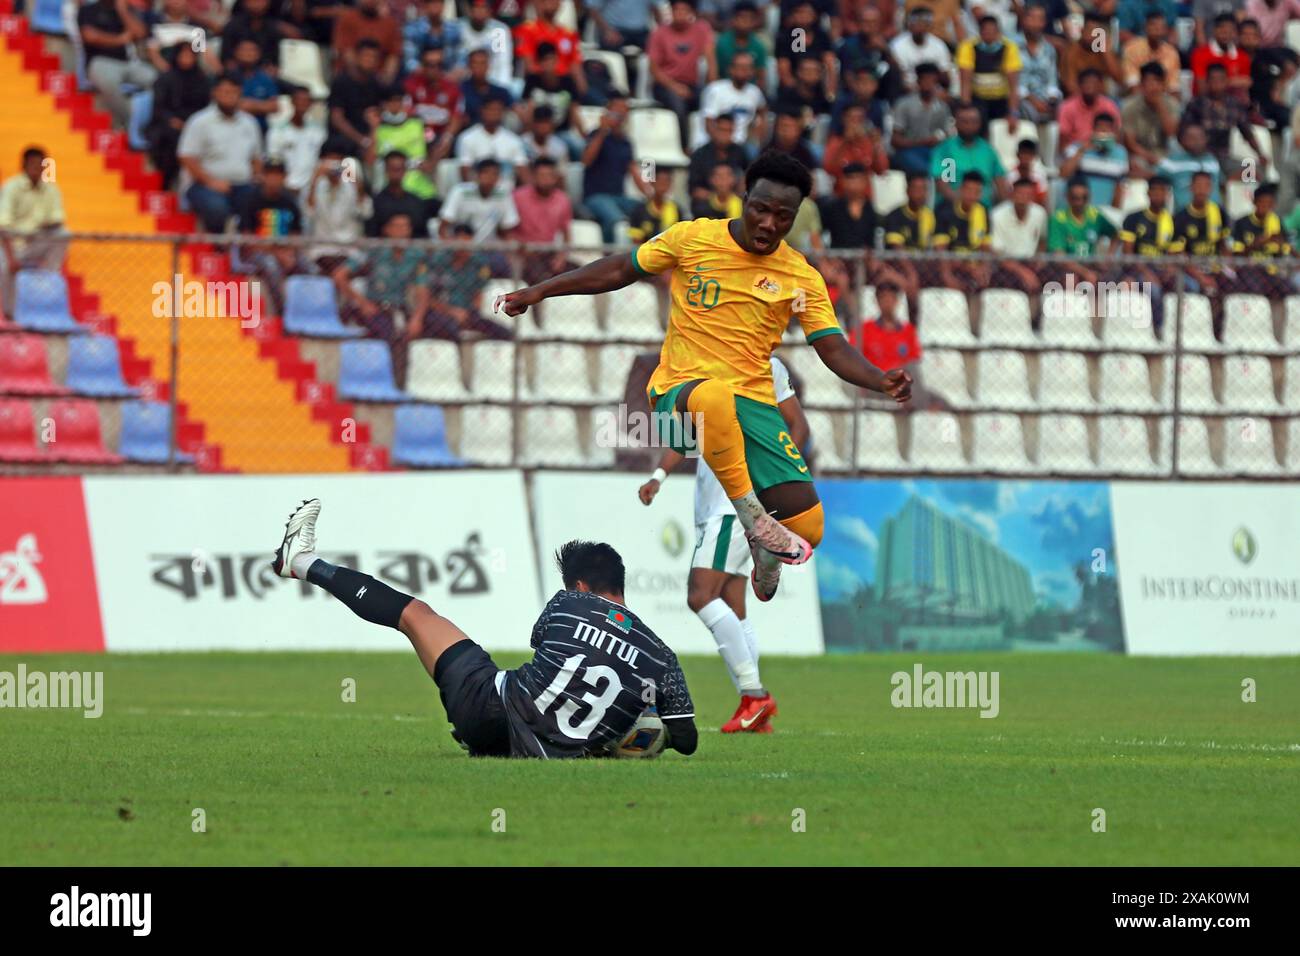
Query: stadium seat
(25, 367)
(1239, 149)
(585, 241)
(944, 371)
(821, 386)
(1135, 196)
(568, 317)
(615, 64)
(491, 290)
(494, 371)
(1248, 324)
(1129, 330)
(823, 444)
(1293, 446)
(76, 434)
(944, 321)
(446, 175)
(95, 368)
(301, 64)
(549, 438)
(656, 136)
(560, 374)
(1003, 380)
(1248, 448)
(1123, 446)
(1194, 456)
(613, 369)
(632, 313)
(1063, 382)
(1293, 35)
(311, 309)
(999, 444)
(1005, 320)
(146, 433)
(1238, 199)
(1197, 320)
(1048, 143)
(878, 443)
(1248, 384)
(1005, 143)
(47, 17)
(420, 438)
(366, 373)
(936, 443)
(41, 302)
(1125, 384)
(888, 191)
(870, 309)
(486, 434)
(434, 373)
(1067, 320)
(1063, 445)
(1195, 391)
(18, 431)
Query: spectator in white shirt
(220, 151)
(918, 45)
(1018, 230)
(336, 205)
(488, 139)
(540, 140)
(485, 205)
(479, 31)
(737, 97)
(297, 141)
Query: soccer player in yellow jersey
(735, 285)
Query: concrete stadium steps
(284, 420)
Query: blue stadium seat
(47, 17)
(41, 302)
(95, 368)
(146, 433)
(420, 438)
(366, 373)
(311, 308)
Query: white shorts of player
(720, 545)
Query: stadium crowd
(1020, 128)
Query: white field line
(260, 715)
(1205, 745)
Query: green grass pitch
(287, 773)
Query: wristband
(659, 475)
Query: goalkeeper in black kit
(596, 667)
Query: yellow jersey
(729, 308)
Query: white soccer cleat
(778, 540)
(299, 537)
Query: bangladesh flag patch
(619, 619)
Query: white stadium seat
(656, 136)
(1063, 445)
(944, 371)
(1125, 383)
(888, 191)
(1239, 149)
(1132, 331)
(1005, 319)
(1248, 324)
(302, 65)
(878, 442)
(446, 175)
(944, 318)
(493, 371)
(1123, 446)
(486, 433)
(613, 368)
(1197, 319)
(999, 444)
(633, 313)
(1067, 320)
(549, 436)
(1063, 382)
(1135, 196)
(491, 289)
(1248, 384)
(1005, 143)
(1248, 448)
(1238, 199)
(560, 374)
(1194, 456)
(936, 443)
(869, 309)
(821, 386)
(1195, 391)
(434, 372)
(1003, 380)
(567, 317)
(830, 457)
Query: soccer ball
(646, 738)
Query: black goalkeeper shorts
(466, 679)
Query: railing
(298, 354)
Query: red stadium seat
(25, 367)
(18, 432)
(77, 436)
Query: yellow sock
(808, 524)
(722, 444)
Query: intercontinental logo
(1243, 596)
(1243, 545)
(673, 538)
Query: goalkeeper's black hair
(595, 564)
(781, 168)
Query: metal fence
(305, 355)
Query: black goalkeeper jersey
(595, 669)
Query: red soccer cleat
(751, 716)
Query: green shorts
(771, 454)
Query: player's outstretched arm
(847, 362)
(603, 275)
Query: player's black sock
(371, 600)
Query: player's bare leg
(370, 599)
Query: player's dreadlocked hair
(780, 168)
(595, 564)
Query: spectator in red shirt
(545, 214)
(675, 51)
(1223, 49)
(887, 341)
(859, 144)
(437, 101)
(533, 33)
(367, 21)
